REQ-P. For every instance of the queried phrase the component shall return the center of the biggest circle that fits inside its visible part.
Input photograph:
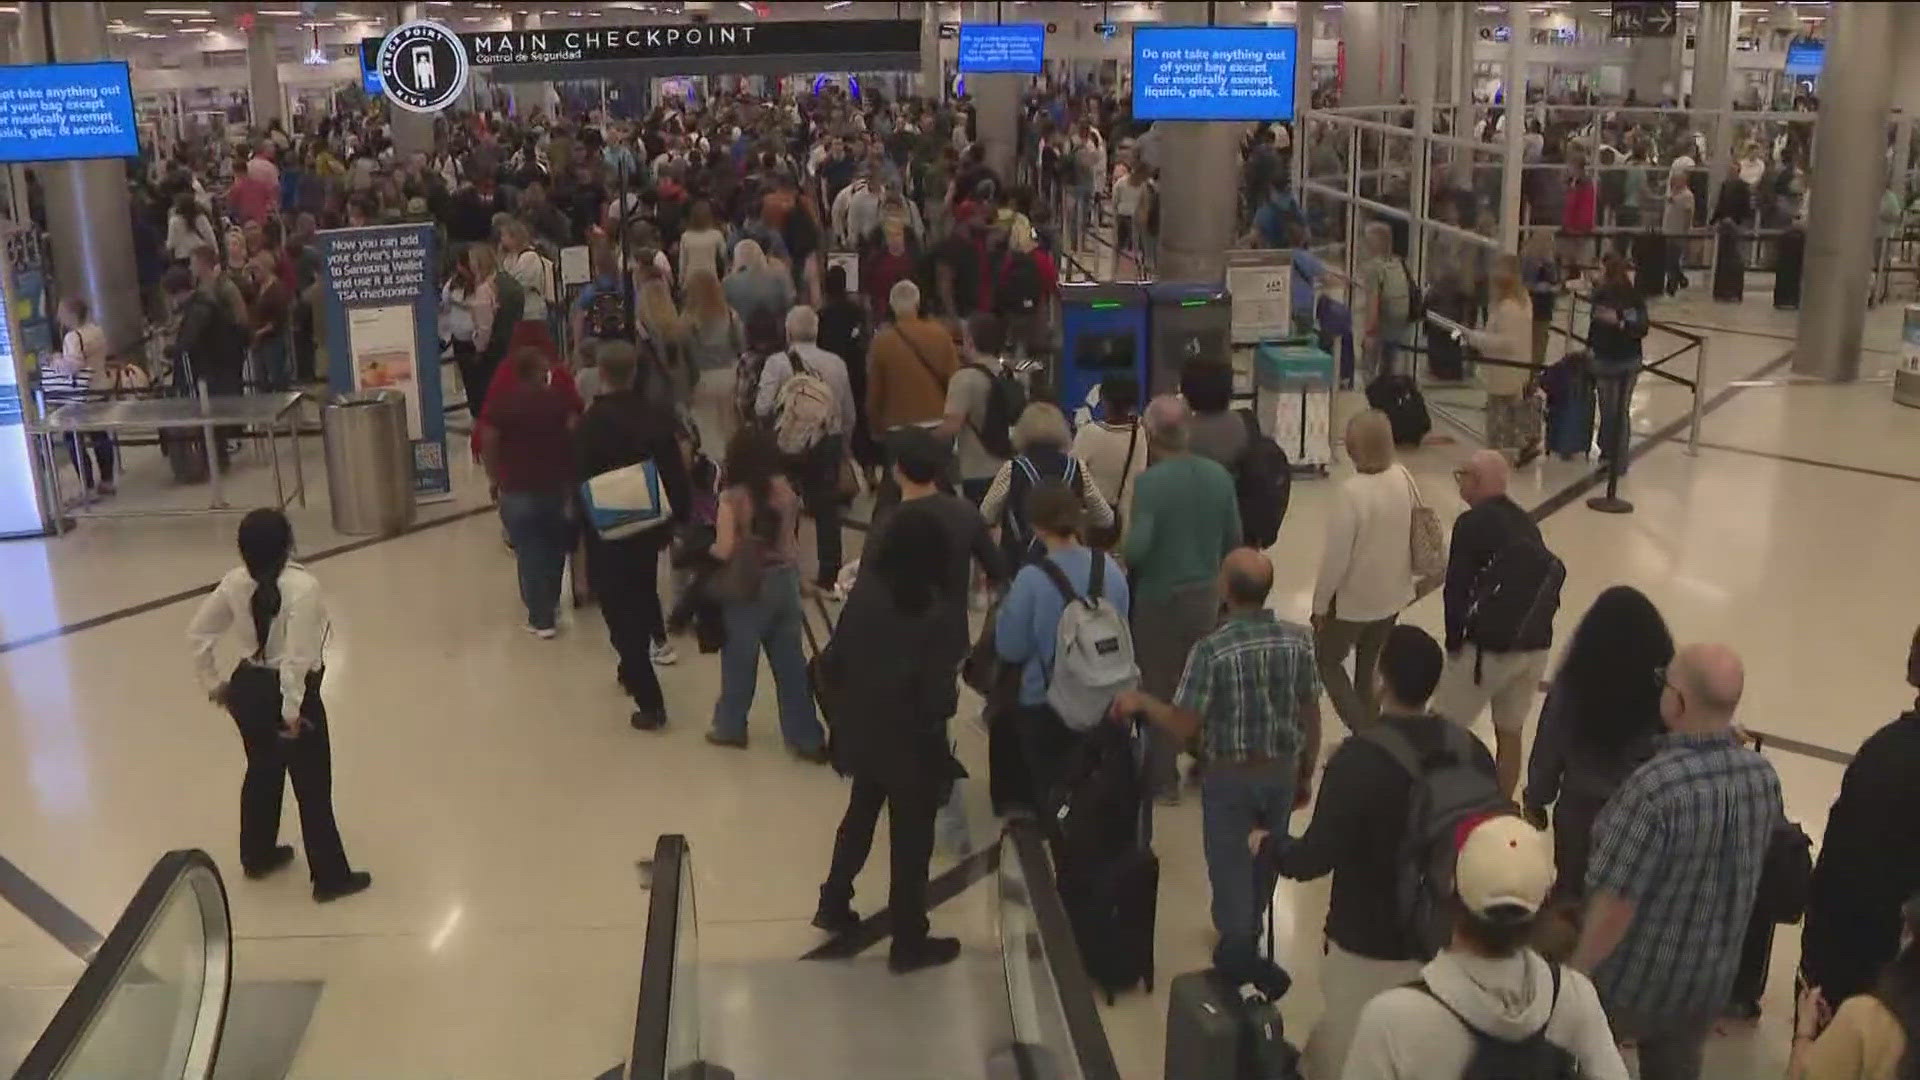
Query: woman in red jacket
(536, 336)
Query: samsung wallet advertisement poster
(380, 310)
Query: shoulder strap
(1058, 577)
(1397, 746)
(922, 357)
(1126, 469)
(1097, 578)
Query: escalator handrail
(653, 1018)
(1084, 1027)
(114, 962)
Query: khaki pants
(1352, 696)
(1507, 682)
(1347, 983)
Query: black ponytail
(266, 541)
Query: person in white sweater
(1366, 570)
(1487, 981)
(1513, 422)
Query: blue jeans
(1613, 383)
(537, 525)
(772, 622)
(1235, 799)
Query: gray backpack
(1093, 649)
(1450, 784)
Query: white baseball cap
(1505, 866)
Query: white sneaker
(547, 634)
(662, 652)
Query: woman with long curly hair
(1598, 723)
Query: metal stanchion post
(1699, 393)
(1611, 502)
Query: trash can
(369, 462)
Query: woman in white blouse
(528, 267)
(1366, 570)
(272, 608)
(1513, 423)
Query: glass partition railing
(1056, 1023)
(666, 1030)
(153, 1000)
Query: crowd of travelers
(721, 344)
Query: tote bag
(626, 501)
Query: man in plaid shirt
(1676, 866)
(1251, 690)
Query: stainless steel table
(275, 413)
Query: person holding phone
(1614, 336)
(273, 609)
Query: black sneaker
(930, 952)
(281, 856)
(648, 719)
(355, 882)
(840, 920)
(731, 742)
(816, 756)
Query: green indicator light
(1104, 305)
(1194, 303)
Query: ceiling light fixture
(179, 11)
(836, 5)
(280, 11)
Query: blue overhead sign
(67, 112)
(1003, 47)
(1213, 72)
(1805, 57)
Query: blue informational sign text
(380, 310)
(1213, 72)
(66, 112)
(1806, 57)
(1003, 47)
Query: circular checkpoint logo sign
(423, 66)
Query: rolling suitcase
(1570, 406)
(1729, 266)
(1218, 1032)
(1108, 875)
(1406, 409)
(1792, 254)
(1220, 1026)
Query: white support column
(412, 132)
(1423, 75)
(1516, 113)
(1306, 16)
(1363, 31)
(1856, 92)
(263, 76)
(930, 51)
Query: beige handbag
(1427, 541)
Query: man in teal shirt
(1184, 520)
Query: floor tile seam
(144, 607)
(1817, 463)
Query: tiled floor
(490, 782)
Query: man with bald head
(1502, 590)
(1252, 692)
(1676, 867)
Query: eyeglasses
(1664, 683)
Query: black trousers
(817, 475)
(626, 581)
(1027, 752)
(101, 444)
(476, 372)
(910, 813)
(308, 759)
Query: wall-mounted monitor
(1019, 48)
(1214, 72)
(67, 112)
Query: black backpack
(1416, 300)
(1511, 604)
(1263, 486)
(1016, 289)
(1006, 400)
(1450, 784)
(1016, 536)
(606, 317)
(1406, 408)
(1532, 1058)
